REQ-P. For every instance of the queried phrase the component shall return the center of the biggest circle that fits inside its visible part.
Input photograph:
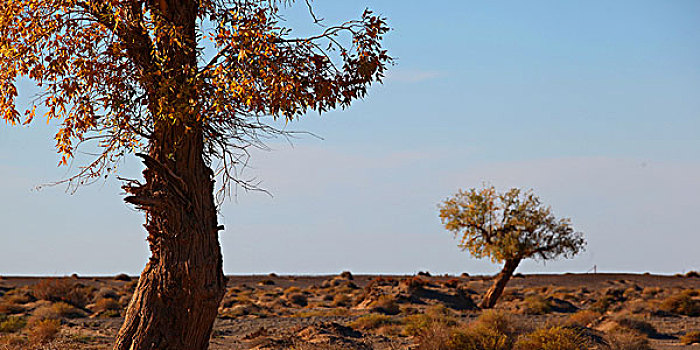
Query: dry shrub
(18, 296)
(493, 330)
(56, 311)
(298, 299)
(12, 324)
(582, 318)
(692, 274)
(107, 304)
(499, 321)
(413, 284)
(372, 321)
(58, 289)
(692, 337)
(627, 340)
(452, 283)
(434, 336)
(10, 308)
(341, 300)
(418, 324)
(43, 331)
(554, 338)
(103, 293)
(603, 304)
(637, 325)
(478, 339)
(681, 304)
(536, 305)
(291, 290)
(650, 292)
(122, 277)
(386, 305)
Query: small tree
(507, 227)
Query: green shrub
(554, 338)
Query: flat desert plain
(346, 311)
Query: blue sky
(593, 104)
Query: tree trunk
(499, 284)
(177, 297)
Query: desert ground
(346, 311)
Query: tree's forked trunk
(177, 297)
(499, 284)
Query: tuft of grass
(692, 337)
(554, 338)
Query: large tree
(187, 86)
(507, 228)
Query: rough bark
(499, 284)
(177, 297)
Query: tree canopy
(509, 225)
(111, 71)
